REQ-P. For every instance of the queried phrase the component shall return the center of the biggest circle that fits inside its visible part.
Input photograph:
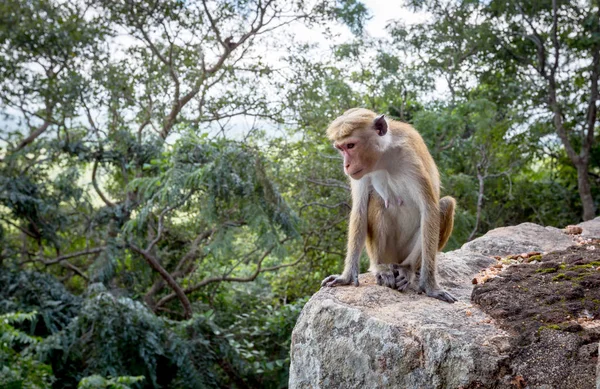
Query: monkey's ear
(381, 125)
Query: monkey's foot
(335, 280)
(441, 294)
(395, 277)
(402, 281)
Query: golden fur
(396, 209)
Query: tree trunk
(585, 192)
(481, 180)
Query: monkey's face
(360, 155)
(358, 135)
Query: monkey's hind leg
(384, 272)
(447, 206)
(376, 243)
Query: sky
(384, 11)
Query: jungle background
(168, 199)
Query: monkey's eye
(350, 145)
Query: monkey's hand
(440, 294)
(335, 280)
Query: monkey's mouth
(356, 172)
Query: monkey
(396, 210)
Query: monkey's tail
(447, 206)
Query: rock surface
(523, 238)
(374, 337)
(591, 228)
(550, 304)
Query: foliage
(118, 337)
(32, 291)
(261, 336)
(99, 382)
(19, 369)
(542, 58)
(168, 198)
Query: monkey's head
(359, 135)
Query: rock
(548, 307)
(523, 238)
(591, 228)
(538, 365)
(598, 370)
(375, 337)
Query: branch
(72, 255)
(178, 104)
(447, 146)
(26, 232)
(95, 184)
(480, 195)
(537, 40)
(179, 272)
(75, 269)
(40, 130)
(250, 278)
(148, 118)
(213, 24)
(190, 254)
(227, 44)
(161, 219)
(155, 264)
(88, 114)
(283, 265)
(552, 98)
(554, 34)
(33, 135)
(228, 47)
(169, 63)
(245, 112)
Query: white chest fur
(380, 180)
(394, 191)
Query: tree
(136, 98)
(559, 44)
(551, 49)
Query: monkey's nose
(347, 166)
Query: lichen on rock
(552, 309)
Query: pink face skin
(352, 164)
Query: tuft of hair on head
(350, 120)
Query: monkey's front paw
(335, 280)
(442, 295)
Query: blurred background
(168, 199)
